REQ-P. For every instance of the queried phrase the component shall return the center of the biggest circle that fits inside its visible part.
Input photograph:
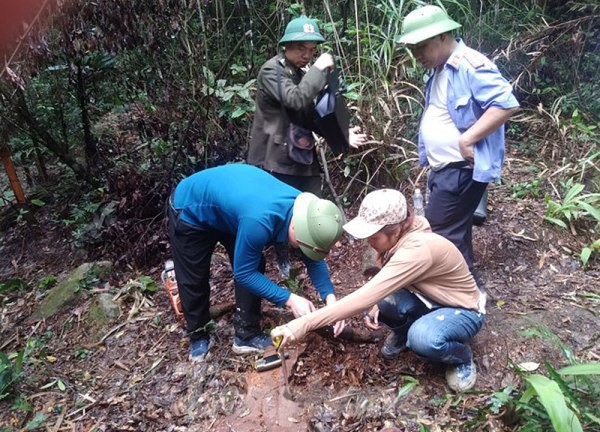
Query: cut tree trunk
(12, 174)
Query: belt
(455, 165)
(459, 164)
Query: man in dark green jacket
(286, 90)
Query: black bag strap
(283, 111)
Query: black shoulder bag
(300, 141)
(331, 115)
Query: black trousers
(192, 248)
(310, 184)
(453, 198)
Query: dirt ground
(139, 377)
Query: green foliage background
(107, 105)
(124, 97)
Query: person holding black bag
(282, 141)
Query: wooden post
(12, 174)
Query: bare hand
(285, 332)
(325, 61)
(490, 120)
(339, 326)
(372, 318)
(356, 138)
(299, 305)
(466, 149)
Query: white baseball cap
(378, 209)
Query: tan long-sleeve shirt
(424, 262)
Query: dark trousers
(192, 248)
(399, 311)
(310, 184)
(453, 198)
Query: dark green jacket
(268, 148)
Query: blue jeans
(439, 334)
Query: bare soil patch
(139, 378)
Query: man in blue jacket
(461, 135)
(246, 209)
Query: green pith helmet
(424, 23)
(318, 225)
(302, 29)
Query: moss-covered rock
(70, 288)
(101, 313)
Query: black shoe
(392, 346)
(255, 344)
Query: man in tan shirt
(424, 291)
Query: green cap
(424, 23)
(318, 225)
(302, 29)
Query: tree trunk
(91, 151)
(40, 164)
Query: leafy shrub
(564, 401)
(526, 189)
(11, 369)
(574, 205)
(588, 251)
(47, 282)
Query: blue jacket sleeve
(251, 239)
(319, 275)
(490, 89)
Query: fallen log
(216, 311)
